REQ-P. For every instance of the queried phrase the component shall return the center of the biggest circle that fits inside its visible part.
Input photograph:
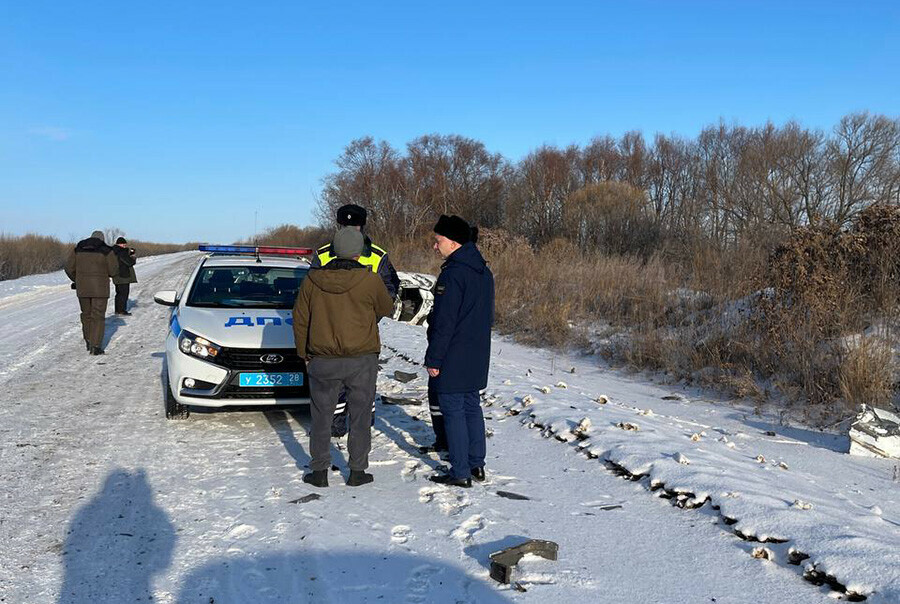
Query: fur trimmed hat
(351, 215)
(456, 229)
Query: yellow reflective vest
(372, 260)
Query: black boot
(450, 481)
(87, 345)
(96, 350)
(317, 478)
(358, 478)
(478, 474)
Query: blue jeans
(464, 424)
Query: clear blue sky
(178, 120)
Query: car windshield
(246, 287)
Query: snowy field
(653, 495)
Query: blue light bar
(228, 249)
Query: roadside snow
(103, 500)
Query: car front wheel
(174, 409)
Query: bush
(33, 254)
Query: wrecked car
(875, 433)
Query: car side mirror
(168, 297)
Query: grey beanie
(97, 235)
(348, 243)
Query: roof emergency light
(257, 250)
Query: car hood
(240, 327)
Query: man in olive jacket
(90, 265)
(336, 330)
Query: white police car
(230, 339)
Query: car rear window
(246, 287)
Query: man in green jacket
(336, 330)
(89, 266)
(125, 276)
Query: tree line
(628, 194)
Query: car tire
(174, 409)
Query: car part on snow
(403, 377)
(397, 400)
(415, 298)
(503, 562)
(511, 495)
(875, 433)
(628, 426)
(306, 498)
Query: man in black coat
(123, 280)
(459, 346)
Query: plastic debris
(504, 561)
(628, 426)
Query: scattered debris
(602, 399)
(527, 400)
(581, 430)
(572, 370)
(507, 382)
(306, 498)
(801, 505)
(771, 433)
(695, 437)
(680, 458)
(628, 426)
(404, 377)
(782, 465)
(397, 400)
(544, 389)
(511, 495)
(763, 553)
(760, 459)
(562, 385)
(671, 397)
(875, 433)
(503, 562)
(646, 412)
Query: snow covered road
(104, 500)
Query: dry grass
(30, 254)
(33, 254)
(867, 373)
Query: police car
(230, 338)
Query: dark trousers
(122, 290)
(464, 423)
(93, 319)
(437, 421)
(327, 376)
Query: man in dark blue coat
(459, 346)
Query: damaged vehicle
(875, 433)
(415, 299)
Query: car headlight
(196, 346)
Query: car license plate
(271, 379)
